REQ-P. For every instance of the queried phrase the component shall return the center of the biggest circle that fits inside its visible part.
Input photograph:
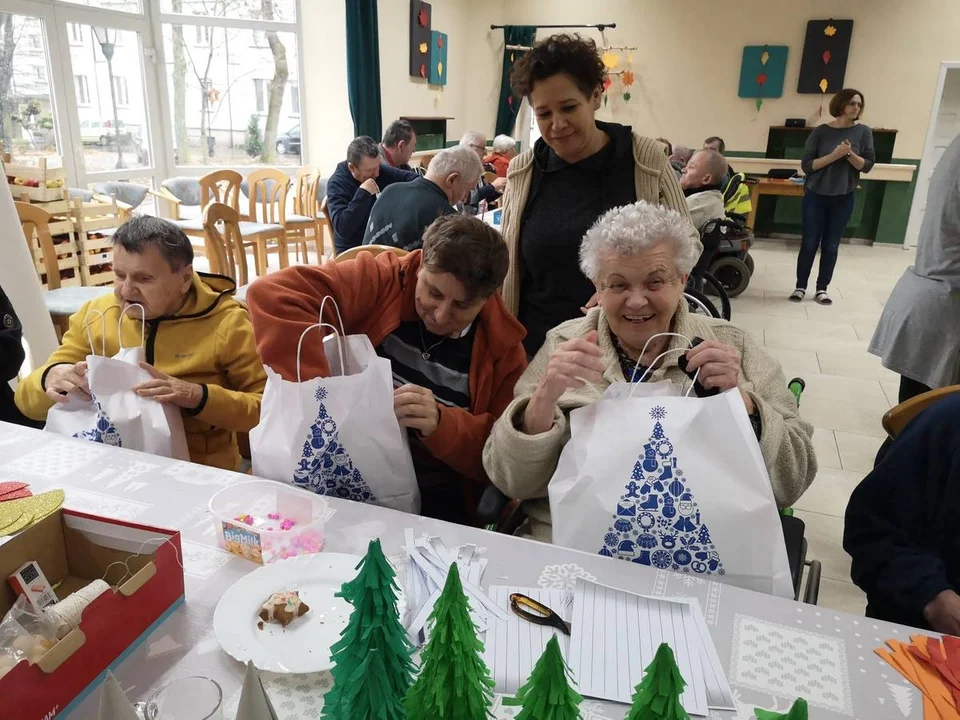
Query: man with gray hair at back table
(483, 191)
(405, 210)
(353, 188)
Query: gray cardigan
(839, 177)
(917, 335)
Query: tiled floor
(847, 389)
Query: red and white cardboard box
(74, 549)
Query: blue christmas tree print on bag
(325, 466)
(103, 432)
(657, 521)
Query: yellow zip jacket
(209, 342)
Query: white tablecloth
(757, 636)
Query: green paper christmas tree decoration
(657, 697)
(547, 694)
(373, 669)
(454, 682)
(798, 711)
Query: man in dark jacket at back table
(11, 358)
(901, 525)
(353, 188)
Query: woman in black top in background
(578, 169)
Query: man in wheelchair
(701, 185)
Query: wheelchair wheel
(748, 261)
(700, 304)
(713, 288)
(732, 273)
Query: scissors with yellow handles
(538, 613)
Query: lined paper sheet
(615, 635)
(719, 694)
(513, 646)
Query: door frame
(923, 172)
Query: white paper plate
(304, 646)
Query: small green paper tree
(373, 669)
(658, 694)
(547, 694)
(454, 682)
(798, 711)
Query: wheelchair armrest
(491, 505)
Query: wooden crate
(102, 213)
(95, 251)
(97, 275)
(50, 176)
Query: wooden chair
(374, 249)
(305, 213)
(326, 227)
(896, 418)
(225, 249)
(221, 186)
(267, 191)
(61, 302)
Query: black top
(403, 211)
(901, 522)
(349, 206)
(565, 200)
(446, 373)
(11, 358)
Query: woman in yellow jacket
(577, 170)
(199, 344)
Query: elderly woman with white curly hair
(639, 256)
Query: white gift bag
(118, 416)
(676, 483)
(337, 435)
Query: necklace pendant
(425, 355)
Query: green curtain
(363, 67)
(510, 103)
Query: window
(220, 93)
(26, 106)
(121, 90)
(82, 88)
(283, 10)
(132, 6)
(203, 35)
(76, 34)
(260, 90)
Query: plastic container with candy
(264, 520)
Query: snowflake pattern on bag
(103, 432)
(657, 521)
(325, 466)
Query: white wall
(324, 106)
(688, 62)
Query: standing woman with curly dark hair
(578, 169)
(834, 156)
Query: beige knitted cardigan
(521, 465)
(655, 181)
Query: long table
(757, 636)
